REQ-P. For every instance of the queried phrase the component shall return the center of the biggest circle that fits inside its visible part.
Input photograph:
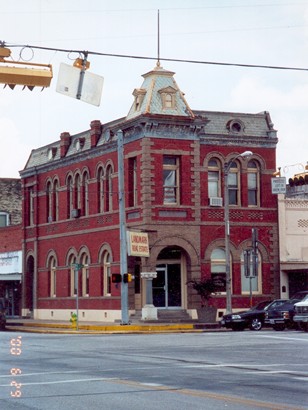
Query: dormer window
(235, 126)
(168, 101)
(51, 153)
(168, 98)
(139, 94)
(79, 144)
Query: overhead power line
(176, 60)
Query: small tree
(204, 287)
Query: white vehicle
(301, 313)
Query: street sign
(68, 80)
(279, 185)
(138, 244)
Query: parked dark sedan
(281, 316)
(252, 318)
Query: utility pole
(227, 167)
(123, 243)
(77, 266)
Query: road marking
(214, 396)
(42, 373)
(65, 381)
(173, 389)
(285, 338)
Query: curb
(107, 329)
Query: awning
(10, 276)
(294, 266)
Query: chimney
(65, 143)
(96, 132)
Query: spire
(159, 94)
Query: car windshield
(275, 303)
(305, 299)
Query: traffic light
(127, 277)
(21, 73)
(116, 278)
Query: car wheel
(279, 327)
(256, 324)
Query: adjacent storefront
(10, 281)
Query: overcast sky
(255, 32)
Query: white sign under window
(10, 262)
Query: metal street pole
(77, 292)
(227, 167)
(123, 244)
(227, 238)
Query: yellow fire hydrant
(73, 320)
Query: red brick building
(174, 159)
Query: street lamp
(227, 167)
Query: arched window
(56, 200)
(253, 183)
(49, 201)
(233, 184)
(74, 275)
(100, 189)
(106, 261)
(85, 194)
(31, 206)
(247, 277)
(70, 196)
(214, 178)
(78, 192)
(52, 268)
(218, 269)
(108, 189)
(85, 275)
(168, 101)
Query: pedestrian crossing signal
(116, 278)
(127, 277)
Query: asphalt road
(227, 370)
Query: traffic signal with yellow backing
(28, 75)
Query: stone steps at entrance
(166, 316)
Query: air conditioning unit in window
(75, 213)
(215, 201)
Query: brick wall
(10, 199)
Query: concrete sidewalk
(40, 326)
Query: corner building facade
(174, 160)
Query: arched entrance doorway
(29, 285)
(168, 289)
